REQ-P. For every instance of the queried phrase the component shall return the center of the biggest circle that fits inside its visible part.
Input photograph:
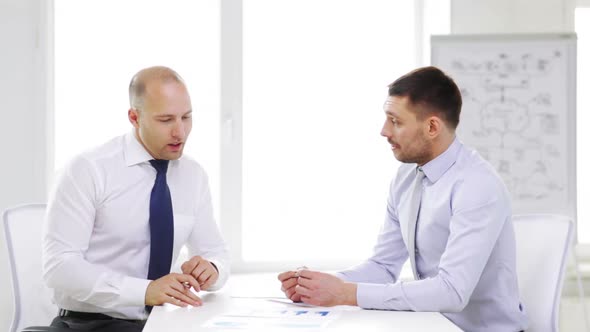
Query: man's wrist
(350, 292)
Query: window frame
(231, 135)
(582, 248)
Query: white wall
(23, 117)
(26, 115)
(511, 16)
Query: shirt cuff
(382, 296)
(370, 296)
(223, 275)
(133, 291)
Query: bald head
(141, 82)
(160, 111)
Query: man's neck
(440, 146)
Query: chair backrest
(542, 244)
(23, 227)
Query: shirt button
(416, 251)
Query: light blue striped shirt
(465, 247)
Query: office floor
(571, 317)
(571, 313)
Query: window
(99, 45)
(306, 80)
(315, 170)
(436, 20)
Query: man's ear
(434, 126)
(133, 116)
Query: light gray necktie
(413, 214)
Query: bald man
(121, 212)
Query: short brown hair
(432, 88)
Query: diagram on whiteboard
(515, 115)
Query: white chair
(23, 226)
(542, 244)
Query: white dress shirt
(465, 247)
(96, 243)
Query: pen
(299, 269)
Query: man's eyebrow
(172, 115)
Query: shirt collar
(134, 152)
(435, 168)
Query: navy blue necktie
(161, 224)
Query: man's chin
(402, 159)
(172, 155)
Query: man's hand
(288, 282)
(173, 288)
(323, 289)
(202, 270)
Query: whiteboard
(519, 111)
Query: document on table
(291, 318)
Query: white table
(261, 293)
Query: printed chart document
(279, 318)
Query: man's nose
(178, 130)
(385, 132)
